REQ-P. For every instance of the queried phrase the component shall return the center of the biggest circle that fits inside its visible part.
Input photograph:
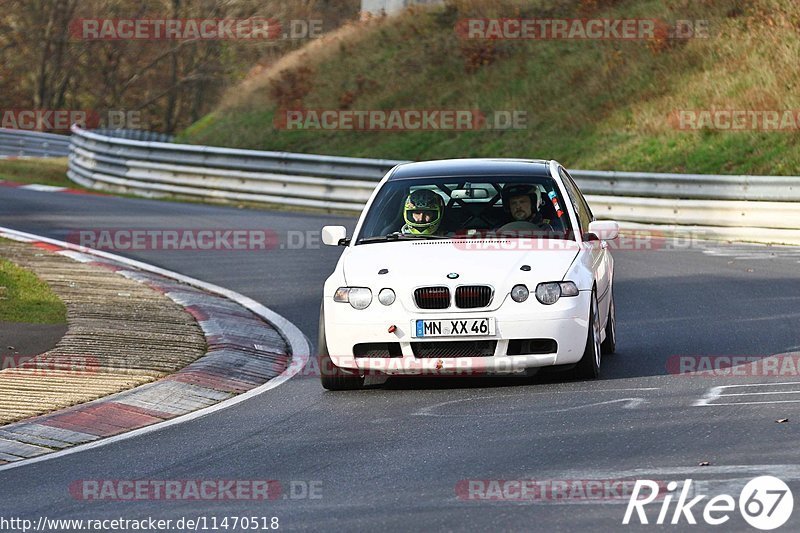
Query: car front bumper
(565, 322)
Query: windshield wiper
(397, 236)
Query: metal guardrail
(689, 186)
(24, 143)
(734, 205)
(154, 169)
(136, 135)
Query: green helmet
(423, 212)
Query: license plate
(455, 327)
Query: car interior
(471, 208)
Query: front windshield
(468, 207)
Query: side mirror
(605, 230)
(333, 235)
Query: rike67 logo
(765, 503)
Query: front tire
(589, 365)
(331, 376)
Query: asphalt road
(397, 457)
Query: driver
(423, 213)
(522, 202)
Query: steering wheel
(519, 225)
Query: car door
(601, 257)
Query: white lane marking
(300, 346)
(630, 403)
(18, 238)
(427, 411)
(753, 403)
(767, 384)
(710, 395)
(745, 252)
(715, 393)
(789, 471)
(77, 256)
(762, 393)
(606, 390)
(42, 188)
(785, 316)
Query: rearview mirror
(469, 194)
(333, 235)
(605, 230)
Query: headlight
(520, 293)
(386, 296)
(549, 293)
(358, 297)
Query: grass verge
(26, 298)
(43, 171)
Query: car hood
(412, 264)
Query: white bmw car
(469, 267)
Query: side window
(581, 210)
(581, 199)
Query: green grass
(590, 104)
(44, 171)
(26, 298)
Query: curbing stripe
(299, 345)
(104, 419)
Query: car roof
(471, 167)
